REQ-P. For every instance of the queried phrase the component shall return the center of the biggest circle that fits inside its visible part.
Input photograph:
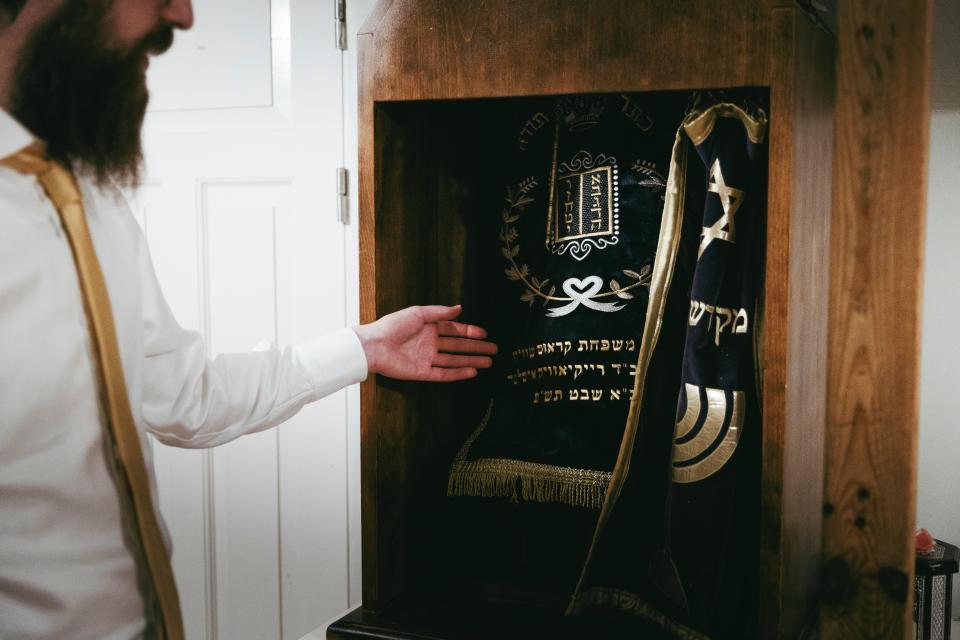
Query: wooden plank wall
(880, 154)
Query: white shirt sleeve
(192, 401)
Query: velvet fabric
(640, 478)
(697, 575)
(579, 227)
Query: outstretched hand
(423, 343)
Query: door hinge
(343, 203)
(340, 24)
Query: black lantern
(933, 590)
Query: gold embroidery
(690, 416)
(742, 322)
(564, 347)
(635, 113)
(664, 265)
(544, 348)
(687, 448)
(580, 113)
(578, 291)
(734, 320)
(589, 217)
(548, 395)
(552, 196)
(592, 395)
(530, 127)
(700, 125)
(586, 204)
(663, 269)
(730, 199)
(650, 177)
(520, 479)
(709, 430)
(522, 376)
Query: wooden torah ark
(427, 68)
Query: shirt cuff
(333, 361)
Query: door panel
(239, 209)
(224, 62)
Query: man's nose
(178, 14)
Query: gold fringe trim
(522, 480)
(627, 602)
(528, 481)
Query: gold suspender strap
(162, 606)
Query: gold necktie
(161, 604)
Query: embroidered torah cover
(631, 271)
(693, 584)
(580, 223)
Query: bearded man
(91, 358)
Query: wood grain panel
(433, 50)
(369, 494)
(400, 248)
(421, 256)
(882, 122)
(795, 321)
(436, 49)
(405, 251)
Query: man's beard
(83, 98)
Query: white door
(243, 137)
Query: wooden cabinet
(429, 69)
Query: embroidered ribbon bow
(582, 292)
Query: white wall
(938, 482)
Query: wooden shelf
(446, 619)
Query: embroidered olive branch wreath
(653, 179)
(535, 287)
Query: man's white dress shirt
(64, 569)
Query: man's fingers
(456, 361)
(465, 345)
(436, 313)
(438, 374)
(447, 328)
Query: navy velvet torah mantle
(695, 578)
(580, 223)
(623, 429)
